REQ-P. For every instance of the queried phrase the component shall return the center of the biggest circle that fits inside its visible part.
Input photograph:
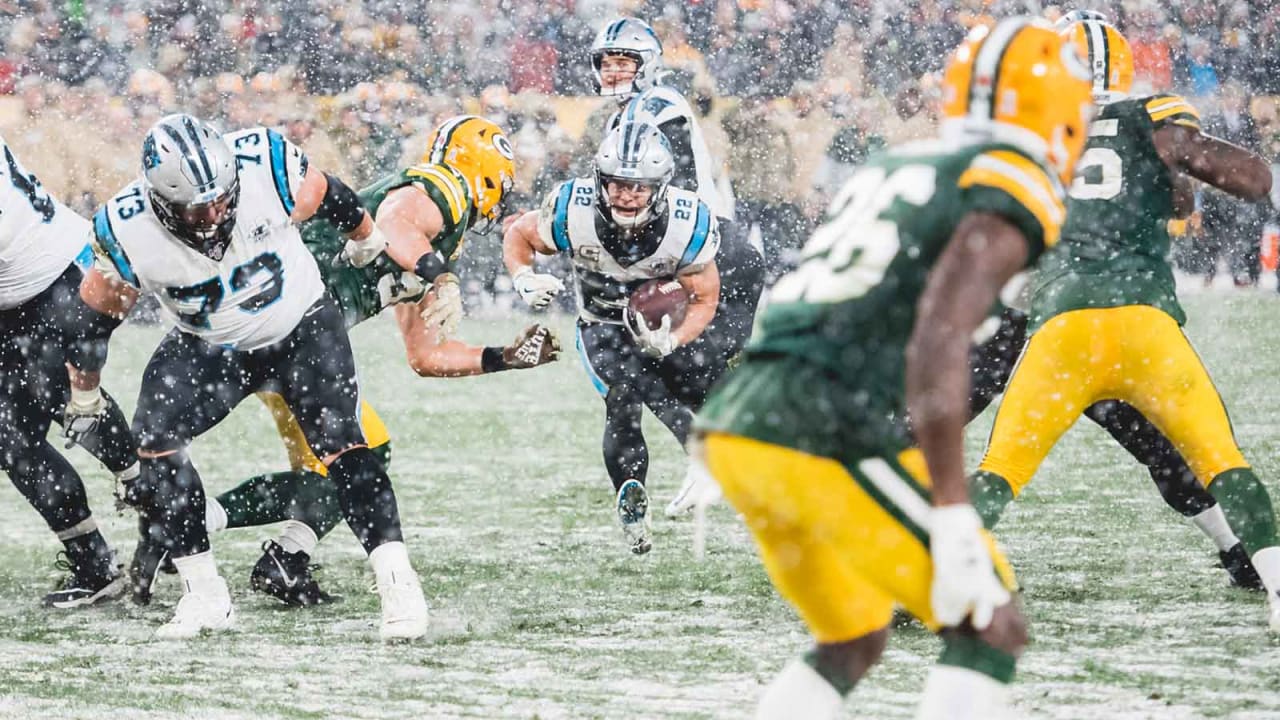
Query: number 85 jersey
(848, 309)
(266, 280)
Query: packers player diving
(459, 185)
(993, 360)
(1105, 321)
(851, 522)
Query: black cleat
(80, 588)
(1237, 564)
(150, 558)
(633, 513)
(287, 576)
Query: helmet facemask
(626, 89)
(204, 227)
(630, 215)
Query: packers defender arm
(984, 252)
(1215, 161)
(703, 287)
(429, 357)
(411, 221)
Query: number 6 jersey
(825, 368)
(267, 279)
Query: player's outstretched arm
(429, 357)
(520, 243)
(325, 196)
(411, 221)
(1215, 161)
(703, 287)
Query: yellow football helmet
(478, 149)
(1021, 83)
(1108, 56)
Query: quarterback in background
(850, 521)
(1105, 313)
(210, 228)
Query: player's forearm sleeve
(341, 206)
(686, 175)
(88, 353)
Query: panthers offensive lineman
(914, 251)
(210, 229)
(43, 323)
(1105, 311)
(461, 183)
(623, 227)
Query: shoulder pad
(450, 189)
(658, 105)
(1023, 179)
(1167, 108)
(553, 216)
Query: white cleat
(699, 488)
(1273, 603)
(202, 608)
(404, 608)
(633, 513)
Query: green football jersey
(1115, 243)
(825, 368)
(364, 292)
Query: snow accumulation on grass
(539, 612)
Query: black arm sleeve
(677, 132)
(88, 350)
(340, 206)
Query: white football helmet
(636, 40)
(634, 153)
(192, 182)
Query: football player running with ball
(851, 522)
(623, 227)
(43, 324)
(460, 184)
(1104, 311)
(210, 228)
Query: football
(660, 297)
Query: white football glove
(84, 411)
(362, 252)
(536, 289)
(965, 584)
(654, 343)
(445, 311)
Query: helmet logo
(150, 156)
(503, 146)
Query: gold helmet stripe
(445, 135)
(986, 67)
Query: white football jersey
(610, 265)
(267, 279)
(39, 236)
(662, 104)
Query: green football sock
(990, 495)
(1247, 506)
(970, 652)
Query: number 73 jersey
(850, 306)
(256, 294)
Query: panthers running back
(43, 324)
(623, 227)
(1104, 311)
(210, 229)
(848, 519)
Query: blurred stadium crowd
(793, 93)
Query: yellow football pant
(842, 546)
(1134, 353)
(295, 443)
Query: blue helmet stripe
(187, 154)
(199, 146)
(106, 238)
(560, 221)
(279, 171)
(701, 230)
(614, 29)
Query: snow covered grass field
(538, 610)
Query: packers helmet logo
(503, 146)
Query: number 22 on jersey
(850, 253)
